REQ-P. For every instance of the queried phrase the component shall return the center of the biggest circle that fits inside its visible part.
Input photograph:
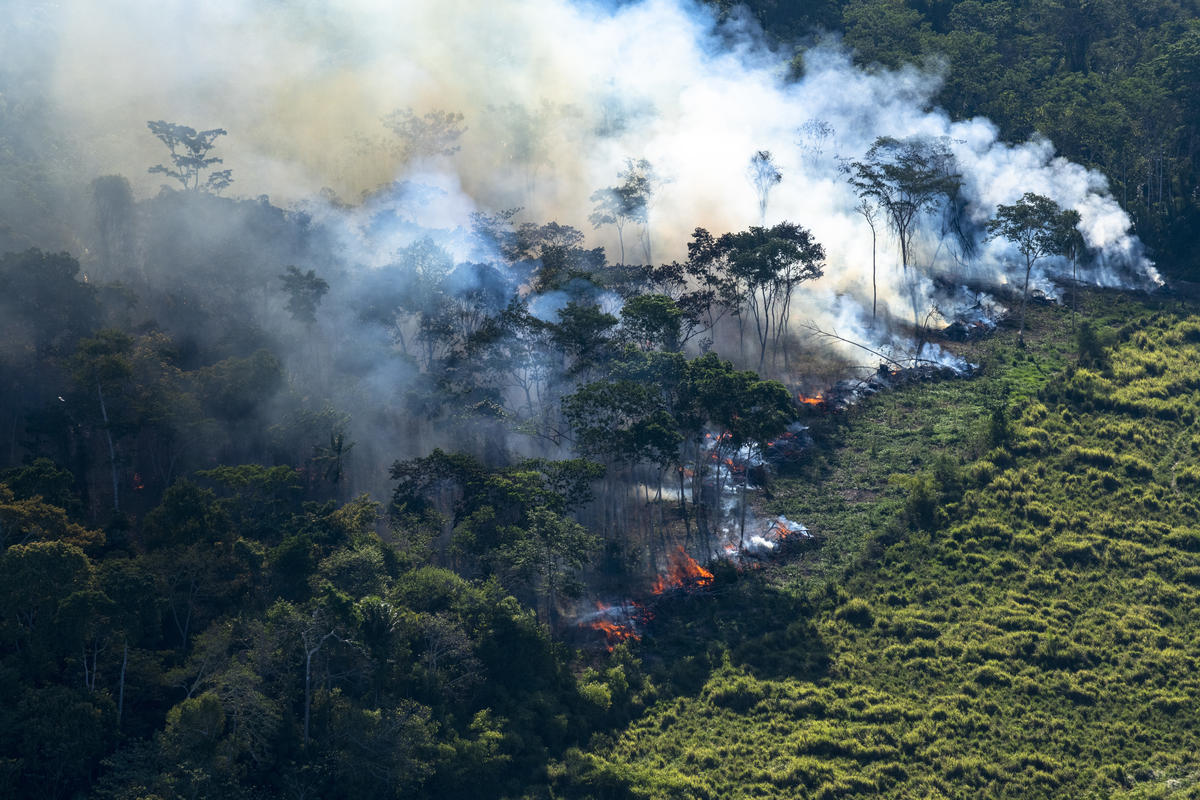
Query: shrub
(737, 694)
(857, 612)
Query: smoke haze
(556, 96)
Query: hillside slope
(1022, 626)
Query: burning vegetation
(682, 573)
(617, 623)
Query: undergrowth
(1002, 605)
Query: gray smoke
(555, 97)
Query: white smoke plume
(555, 96)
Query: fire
(609, 622)
(682, 571)
(614, 632)
(815, 400)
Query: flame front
(682, 571)
(615, 630)
(815, 400)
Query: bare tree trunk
(1024, 301)
(308, 655)
(683, 512)
(874, 286)
(112, 452)
(662, 507)
(121, 684)
(702, 527)
(551, 620)
(742, 526)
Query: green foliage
(1033, 645)
(1105, 83)
(858, 612)
(55, 309)
(1091, 352)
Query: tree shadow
(742, 618)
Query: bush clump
(857, 612)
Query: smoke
(555, 96)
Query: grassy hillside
(1003, 606)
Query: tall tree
(304, 290)
(748, 410)
(628, 201)
(1072, 245)
(548, 555)
(190, 157)
(765, 176)
(1038, 227)
(906, 177)
(113, 201)
(766, 265)
(814, 135)
(870, 213)
(652, 321)
(103, 363)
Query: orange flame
(780, 530)
(614, 632)
(815, 400)
(682, 571)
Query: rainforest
(552, 399)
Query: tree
(311, 629)
(103, 362)
(886, 32)
(745, 408)
(766, 265)
(513, 350)
(628, 201)
(1038, 227)
(190, 157)
(583, 334)
(814, 133)
(625, 420)
(906, 177)
(113, 201)
(548, 555)
(45, 304)
(652, 321)
(36, 579)
(203, 567)
(765, 176)
(31, 519)
(332, 459)
(305, 291)
(870, 213)
(1072, 246)
(435, 133)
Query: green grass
(979, 621)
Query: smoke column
(555, 96)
